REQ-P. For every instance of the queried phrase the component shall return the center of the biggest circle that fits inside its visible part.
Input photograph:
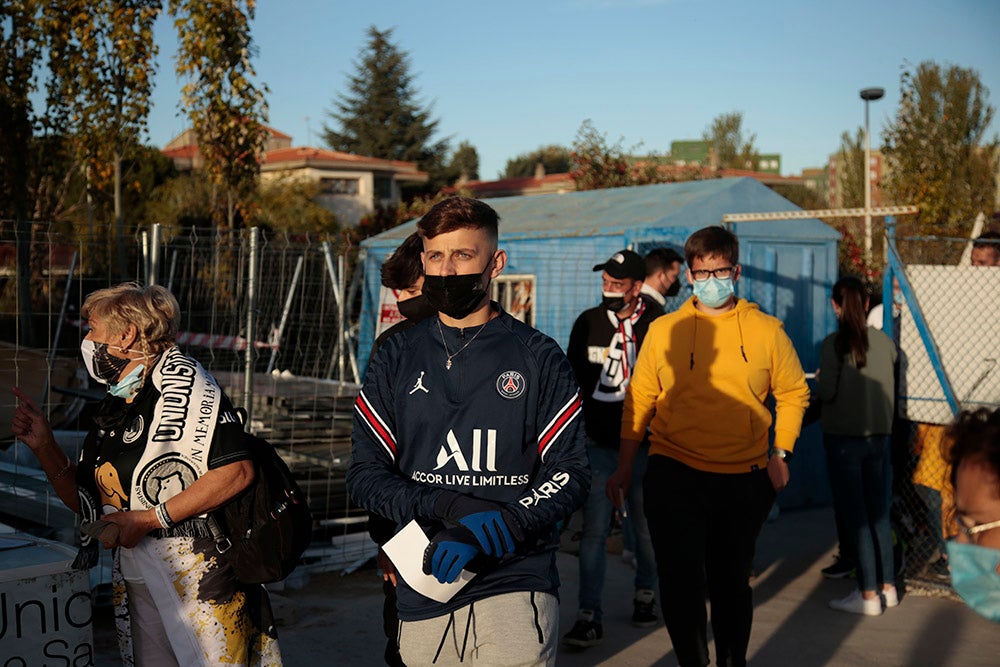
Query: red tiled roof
(321, 156)
(181, 152)
(276, 133)
(515, 184)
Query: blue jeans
(597, 524)
(861, 479)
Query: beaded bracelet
(62, 473)
(163, 516)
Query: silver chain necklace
(447, 363)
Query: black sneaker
(644, 610)
(587, 632)
(841, 569)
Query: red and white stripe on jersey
(376, 424)
(554, 428)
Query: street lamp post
(869, 95)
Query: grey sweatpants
(509, 630)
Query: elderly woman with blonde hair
(167, 448)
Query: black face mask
(455, 296)
(416, 309)
(675, 288)
(613, 301)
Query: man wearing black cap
(602, 349)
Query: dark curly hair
(974, 436)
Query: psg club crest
(511, 384)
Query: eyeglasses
(970, 532)
(701, 275)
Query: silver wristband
(163, 516)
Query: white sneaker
(856, 604)
(891, 597)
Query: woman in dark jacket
(856, 390)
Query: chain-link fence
(267, 314)
(946, 319)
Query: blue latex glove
(495, 529)
(448, 554)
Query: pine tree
(380, 115)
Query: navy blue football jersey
(503, 423)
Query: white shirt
(652, 293)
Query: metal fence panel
(947, 327)
(296, 393)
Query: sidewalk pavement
(337, 620)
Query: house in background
(183, 149)
(538, 184)
(351, 185)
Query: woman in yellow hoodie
(700, 386)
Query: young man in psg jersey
(469, 423)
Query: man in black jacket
(403, 273)
(663, 270)
(603, 346)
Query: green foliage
(596, 163)
(101, 57)
(938, 154)
(387, 217)
(730, 148)
(380, 116)
(801, 196)
(556, 160)
(227, 110)
(101, 54)
(20, 50)
(464, 161)
(180, 204)
(852, 169)
(56, 180)
(142, 174)
(290, 204)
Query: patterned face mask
(100, 364)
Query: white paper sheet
(406, 551)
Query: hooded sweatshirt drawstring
(694, 338)
(739, 325)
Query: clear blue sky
(512, 76)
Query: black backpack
(263, 531)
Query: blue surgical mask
(129, 384)
(714, 292)
(974, 577)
